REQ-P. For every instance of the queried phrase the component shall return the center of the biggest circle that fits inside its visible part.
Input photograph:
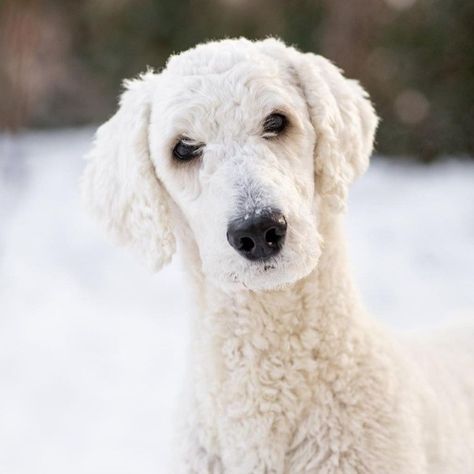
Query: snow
(92, 346)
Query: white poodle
(243, 151)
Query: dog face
(234, 148)
(246, 143)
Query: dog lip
(268, 267)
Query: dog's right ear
(119, 184)
(342, 115)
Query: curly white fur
(288, 375)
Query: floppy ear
(342, 116)
(344, 121)
(119, 184)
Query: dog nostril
(246, 244)
(271, 237)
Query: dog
(243, 152)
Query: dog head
(244, 143)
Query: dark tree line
(61, 61)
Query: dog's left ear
(344, 121)
(342, 116)
(119, 185)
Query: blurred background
(62, 62)
(92, 347)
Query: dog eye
(274, 124)
(185, 150)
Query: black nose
(258, 236)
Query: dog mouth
(255, 265)
(255, 271)
(268, 267)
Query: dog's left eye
(274, 124)
(185, 150)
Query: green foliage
(432, 45)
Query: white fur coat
(288, 375)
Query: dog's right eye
(274, 124)
(185, 150)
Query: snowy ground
(92, 346)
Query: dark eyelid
(190, 149)
(270, 127)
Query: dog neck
(259, 352)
